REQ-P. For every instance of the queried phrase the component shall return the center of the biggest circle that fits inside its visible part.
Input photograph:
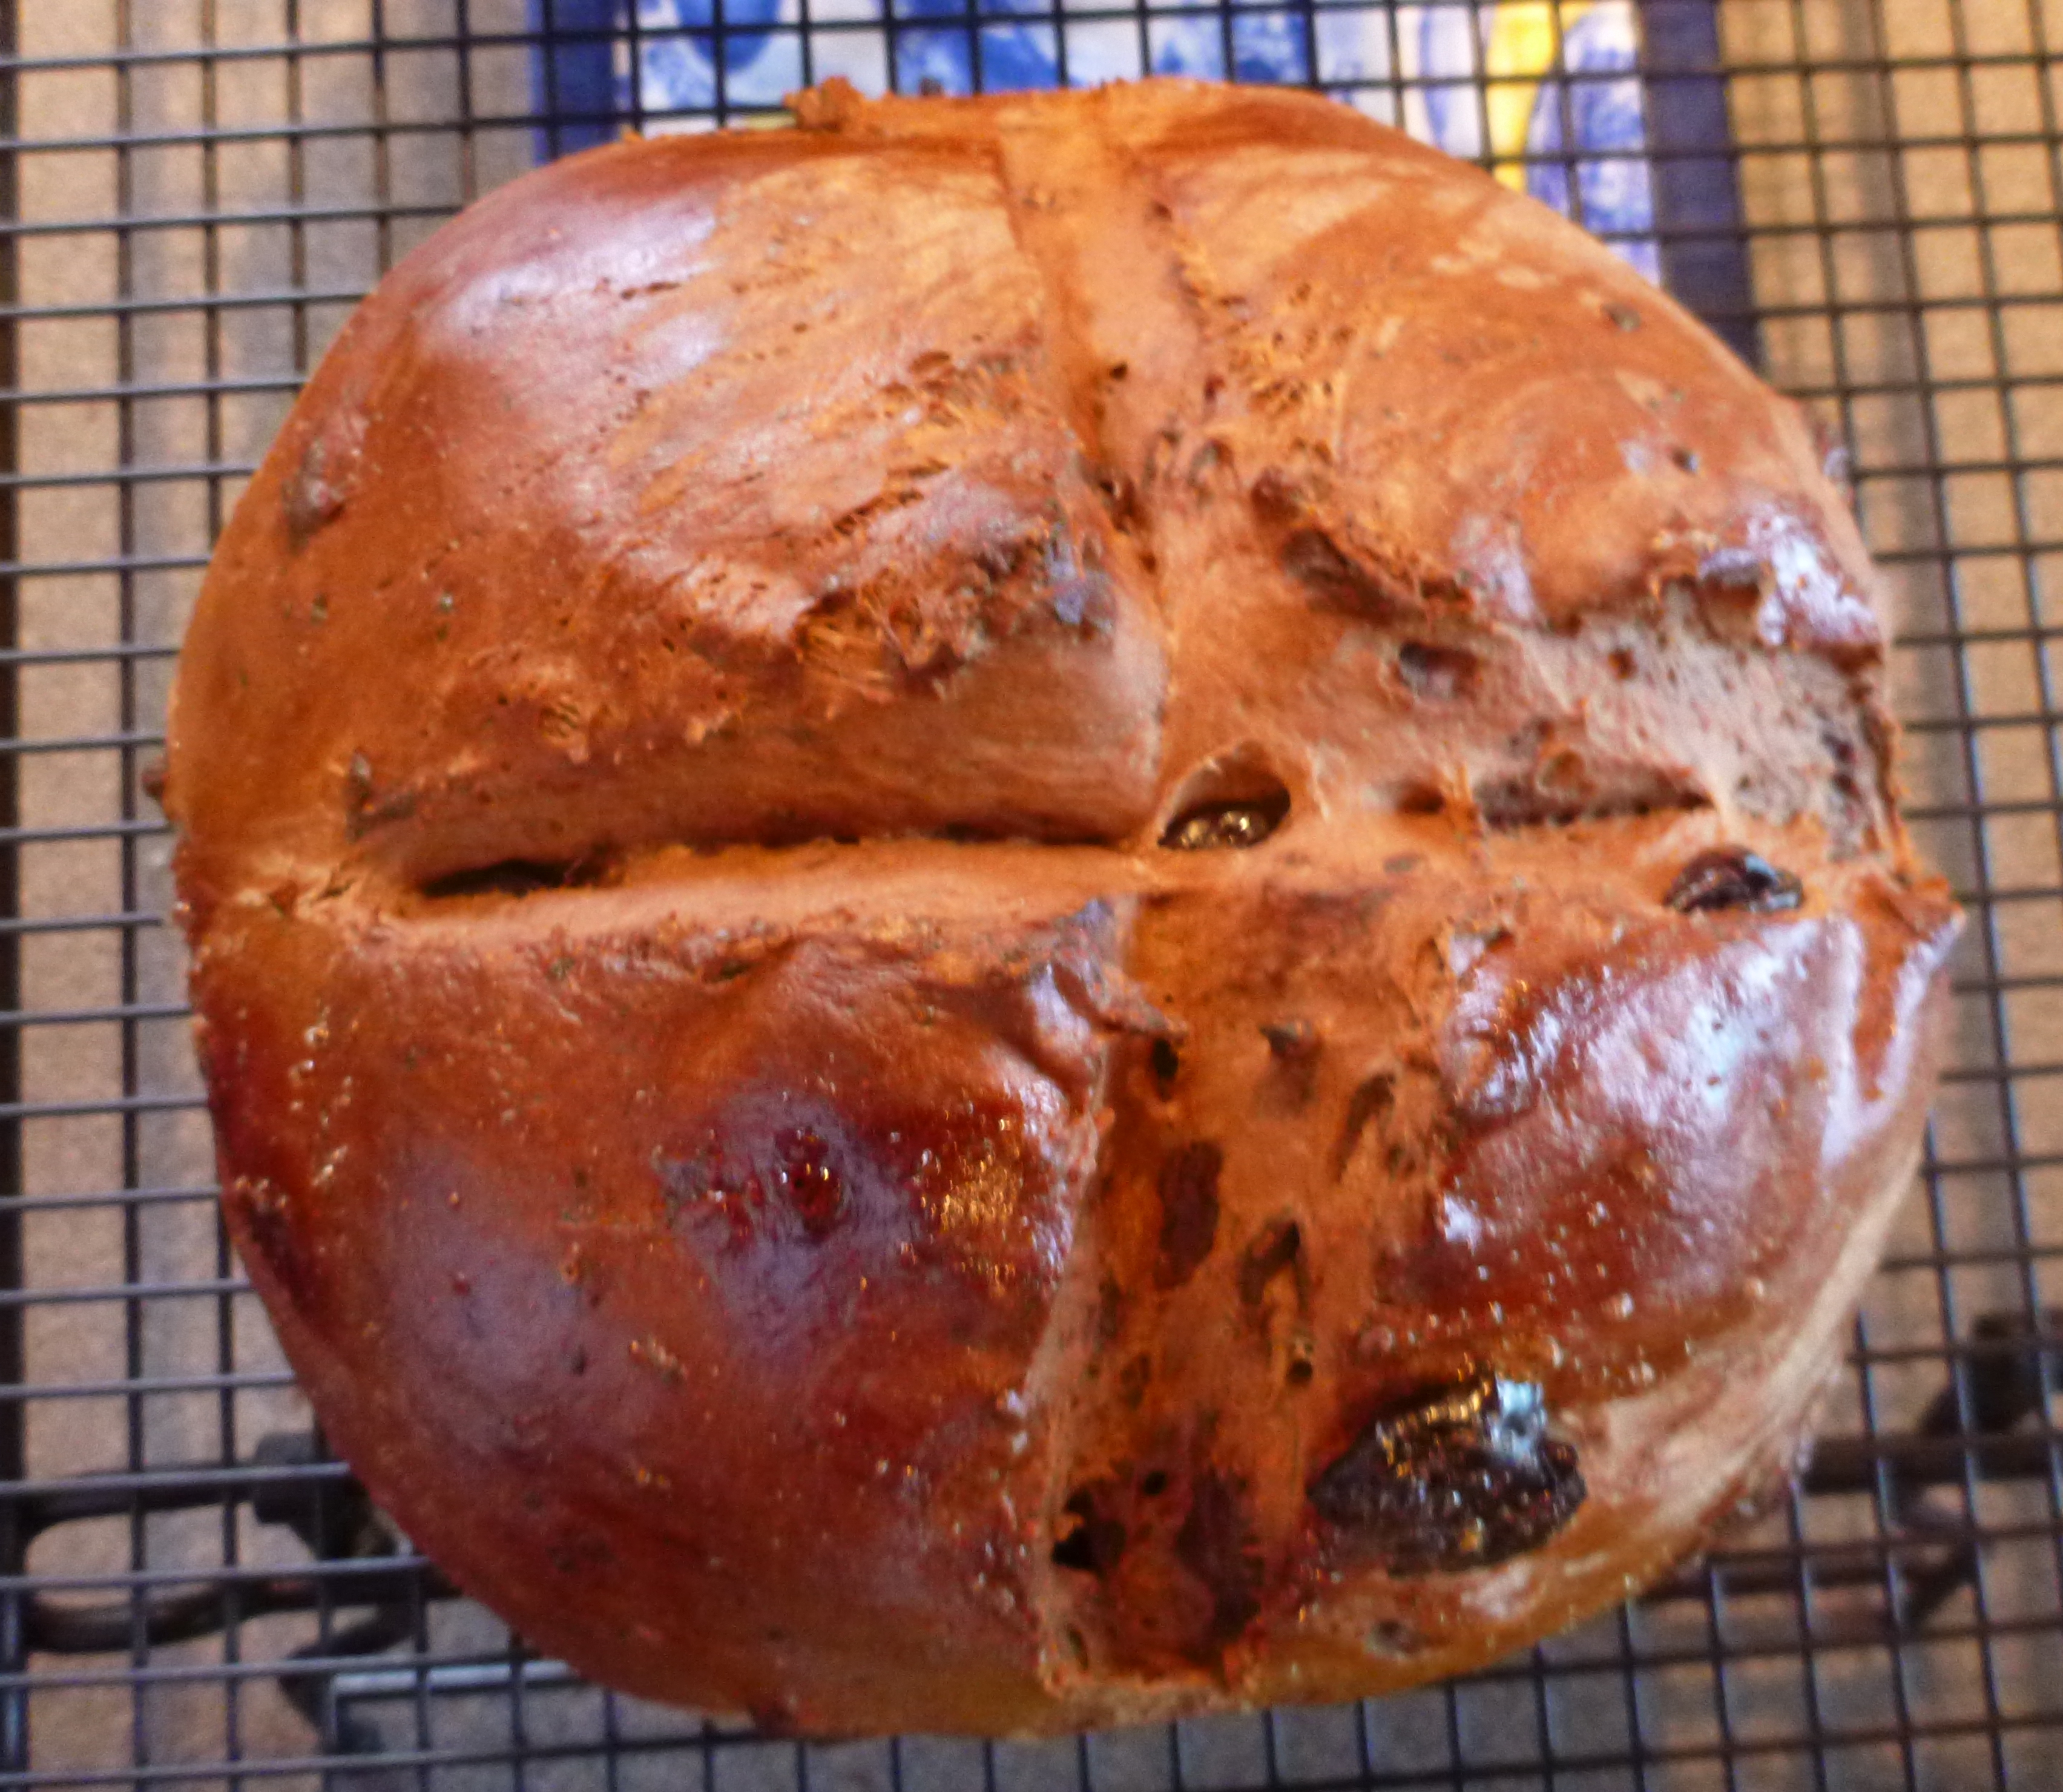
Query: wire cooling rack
(1863, 193)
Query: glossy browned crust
(825, 563)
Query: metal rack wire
(1866, 194)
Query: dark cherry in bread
(1030, 912)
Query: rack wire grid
(194, 192)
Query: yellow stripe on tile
(1522, 45)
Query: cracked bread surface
(1044, 911)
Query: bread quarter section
(679, 492)
(684, 1287)
(1478, 1232)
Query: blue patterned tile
(1548, 93)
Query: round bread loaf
(1028, 913)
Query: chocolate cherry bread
(1030, 912)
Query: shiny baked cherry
(1207, 825)
(1733, 877)
(1458, 1475)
